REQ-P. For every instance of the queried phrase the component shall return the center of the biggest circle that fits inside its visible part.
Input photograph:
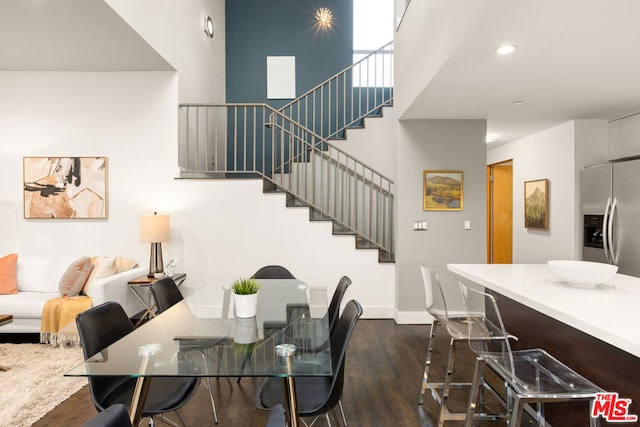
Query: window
(372, 29)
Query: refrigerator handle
(605, 233)
(614, 256)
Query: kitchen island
(594, 330)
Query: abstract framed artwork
(442, 190)
(536, 204)
(65, 187)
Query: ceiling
(575, 59)
(71, 35)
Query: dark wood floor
(384, 369)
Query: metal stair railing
(342, 101)
(255, 140)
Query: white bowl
(582, 273)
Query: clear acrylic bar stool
(531, 376)
(458, 330)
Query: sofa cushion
(74, 278)
(102, 267)
(8, 274)
(33, 273)
(25, 305)
(124, 264)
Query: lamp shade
(154, 228)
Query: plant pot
(246, 330)
(246, 305)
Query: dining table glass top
(196, 337)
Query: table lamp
(154, 229)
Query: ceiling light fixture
(324, 18)
(506, 49)
(518, 102)
(490, 138)
(208, 27)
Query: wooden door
(500, 212)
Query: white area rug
(34, 383)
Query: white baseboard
(412, 317)
(377, 312)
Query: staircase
(295, 151)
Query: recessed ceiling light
(490, 138)
(506, 49)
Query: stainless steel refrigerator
(611, 209)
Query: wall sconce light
(208, 27)
(154, 229)
(324, 18)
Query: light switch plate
(420, 225)
(467, 224)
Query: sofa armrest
(116, 288)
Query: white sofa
(38, 279)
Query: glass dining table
(201, 337)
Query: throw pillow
(102, 267)
(124, 264)
(8, 276)
(74, 278)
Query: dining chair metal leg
(427, 364)
(207, 385)
(167, 421)
(344, 419)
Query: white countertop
(609, 312)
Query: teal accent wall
(260, 28)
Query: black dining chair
(101, 326)
(334, 306)
(166, 294)
(332, 315)
(114, 416)
(273, 272)
(317, 395)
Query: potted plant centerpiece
(245, 297)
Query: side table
(141, 289)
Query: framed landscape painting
(65, 187)
(536, 204)
(442, 190)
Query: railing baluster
(338, 189)
(255, 125)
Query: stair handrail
(284, 134)
(350, 67)
(345, 164)
(322, 140)
(315, 116)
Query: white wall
(220, 230)
(375, 144)
(176, 31)
(558, 154)
(437, 145)
(426, 40)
